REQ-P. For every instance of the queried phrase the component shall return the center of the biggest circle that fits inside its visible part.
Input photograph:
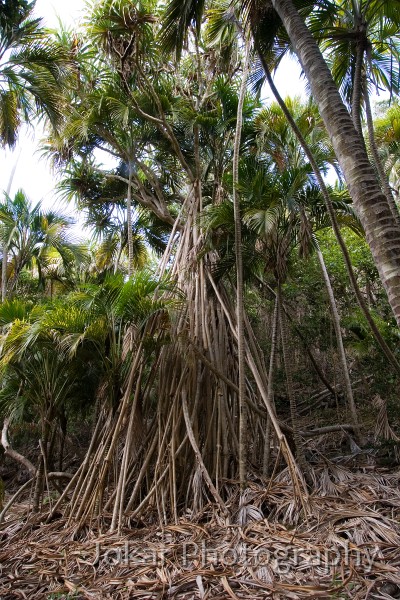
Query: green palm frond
(33, 68)
(144, 295)
(262, 221)
(178, 17)
(9, 117)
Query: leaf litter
(346, 546)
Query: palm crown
(32, 68)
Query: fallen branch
(318, 431)
(13, 453)
(327, 429)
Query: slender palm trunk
(335, 225)
(270, 388)
(357, 90)
(4, 272)
(382, 232)
(287, 361)
(377, 159)
(342, 355)
(40, 473)
(129, 221)
(239, 276)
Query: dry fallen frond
(348, 547)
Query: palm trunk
(239, 276)
(382, 232)
(288, 361)
(129, 221)
(342, 354)
(377, 159)
(357, 85)
(4, 272)
(335, 226)
(118, 257)
(270, 388)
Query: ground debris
(347, 547)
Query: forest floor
(342, 541)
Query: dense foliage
(228, 306)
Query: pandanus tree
(100, 194)
(103, 118)
(190, 394)
(371, 204)
(105, 122)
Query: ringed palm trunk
(357, 91)
(382, 232)
(239, 276)
(4, 272)
(40, 473)
(270, 389)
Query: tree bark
(382, 232)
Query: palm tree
(360, 39)
(36, 240)
(239, 274)
(282, 210)
(361, 42)
(50, 353)
(32, 70)
(278, 139)
(382, 232)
